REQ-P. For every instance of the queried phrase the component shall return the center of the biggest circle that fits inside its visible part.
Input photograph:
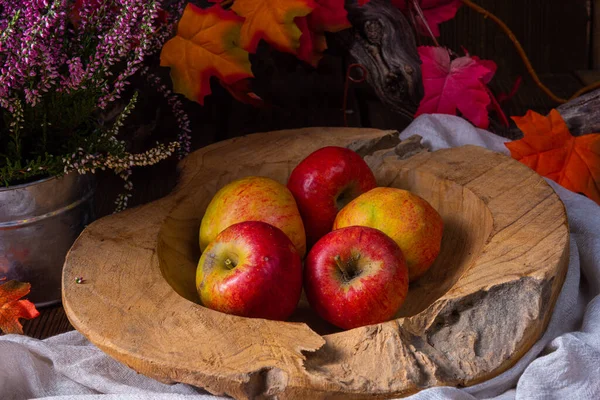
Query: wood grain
(596, 33)
(487, 299)
(383, 42)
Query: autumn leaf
(435, 12)
(312, 44)
(11, 308)
(272, 21)
(328, 16)
(452, 85)
(549, 148)
(207, 44)
(242, 91)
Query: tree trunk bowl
(483, 304)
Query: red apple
(323, 183)
(355, 276)
(251, 269)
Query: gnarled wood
(582, 114)
(485, 301)
(382, 40)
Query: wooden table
(155, 182)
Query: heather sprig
(64, 65)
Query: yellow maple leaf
(273, 21)
(207, 44)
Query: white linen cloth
(564, 364)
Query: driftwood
(582, 116)
(482, 305)
(383, 41)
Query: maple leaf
(242, 91)
(549, 148)
(452, 85)
(207, 44)
(435, 12)
(11, 308)
(312, 43)
(273, 21)
(328, 16)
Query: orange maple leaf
(11, 308)
(207, 44)
(549, 148)
(273, 21)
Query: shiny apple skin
(254, 198)
(323, 183)
(405, 217)
(376, 289)
(264, 279)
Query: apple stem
(229, 264)
(340, 265)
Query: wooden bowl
(482, 305)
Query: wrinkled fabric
(563, 364)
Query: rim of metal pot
(34, 183)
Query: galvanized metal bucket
(39, 222)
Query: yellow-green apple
(251, 269)
(254, 198)
(355, 276)
(323, 183)
(405, 217)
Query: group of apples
(366, 243)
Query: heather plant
(64, 67)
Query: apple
(323, 183)
(355, 276)
(251, 269)
(405, 217)
(253, 198)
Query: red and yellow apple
(405, 217)
(355, 276)
(253, 199)
(323, 183)
(251, 269)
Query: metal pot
(39, 222)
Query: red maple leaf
(242, 91)
(435, 12)
(312, 43)
(452, 85)
(11, 308)
(328, 16)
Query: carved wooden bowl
(482, 305)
